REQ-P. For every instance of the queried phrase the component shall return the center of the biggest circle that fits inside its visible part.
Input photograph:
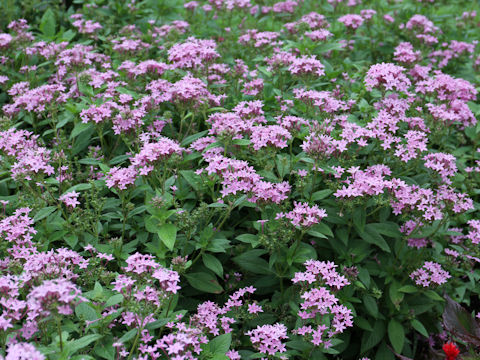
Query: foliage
(238, 180)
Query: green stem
(315, 174)
(59, 328)
(169, 304)
(135, 342)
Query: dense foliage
(239, 180)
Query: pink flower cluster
(474, 231)
(267, 339)
(269, 135)
(320, 303)
(387, 76)
(351, 21)
(325, 101)
(145, 268)
(29, 159)
(259, 39)
(57, 296)
(237, 176)
(444, 164)
(306, 65)
(370, 181)
(23, 351)
(430, 273)
(85, 26)
(404, 53)
(154, 152)
(193, 53)
(313, 20)
(187, 92)
(303, 215)
(426, 202)
(70, 199)
(121, 178)
(36, 100)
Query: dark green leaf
(43, 213)
(204, 282)
(371, 236)
(212, 263)
(371, 305)
(396, 334)
(417, 325)
(370, 339)
(252, 262)
(359, 218)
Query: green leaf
(190, 139)
(129, 335)
(114, 300)
(251, 261)
(48, 24)
(371, 305)
(322, 194)
(78, 187)
(434, 296)
(363, 323)
(43, 213)
(388, 229)
(371, 236)
(396, 334)
(86, 311)
(219, 357)
(323, 228)
(168, 234)
(370, 339)
(417, 325)
(460, 323)
(118, 159)
(359, 218)
(71, 240)
(409, 289)
(192, 179)
(249, 239)
(303, 253)
(76, 345)
(79, 128)
(328, 47)
(212, 263)
(241, 142)
(221, 344)
(364, 276)
(204, 282)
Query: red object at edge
(451, 351)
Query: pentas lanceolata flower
(193, 54)
(320, 310)
(70, 199)
(224, 146)
(444, 164)
(387, 76)
(267, 339)
(52, 297)
(351, 21)
(430, 273)
(23, 351)
(29, 159)
(303, 216)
